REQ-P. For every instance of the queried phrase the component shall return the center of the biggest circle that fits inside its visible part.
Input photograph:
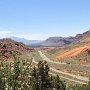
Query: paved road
(86, 79)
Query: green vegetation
(36, 56)
(23, 75)
(80, 87)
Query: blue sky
(40, 19)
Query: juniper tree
(2, 77)
(35, 81)
(59, 84)
(43, 75)
(9, 78)
(16, 73)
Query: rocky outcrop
(9, 47)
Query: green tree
(35, 84)
(16, 73)
(59, 84)
(43, 75)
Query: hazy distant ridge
(25, 41)
(60, 41)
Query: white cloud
(4, 34)
(33, 36)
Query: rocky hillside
(72, 52)
(85, 37)
(9, 47)
(77, 52)
(58, 41)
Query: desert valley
(70, 61)
(44, 44)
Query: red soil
(71, 53)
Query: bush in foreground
(22, 75)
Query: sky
(40, 19)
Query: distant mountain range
(85, 37)
(61, 41)
(26, 41)
(56, 41)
